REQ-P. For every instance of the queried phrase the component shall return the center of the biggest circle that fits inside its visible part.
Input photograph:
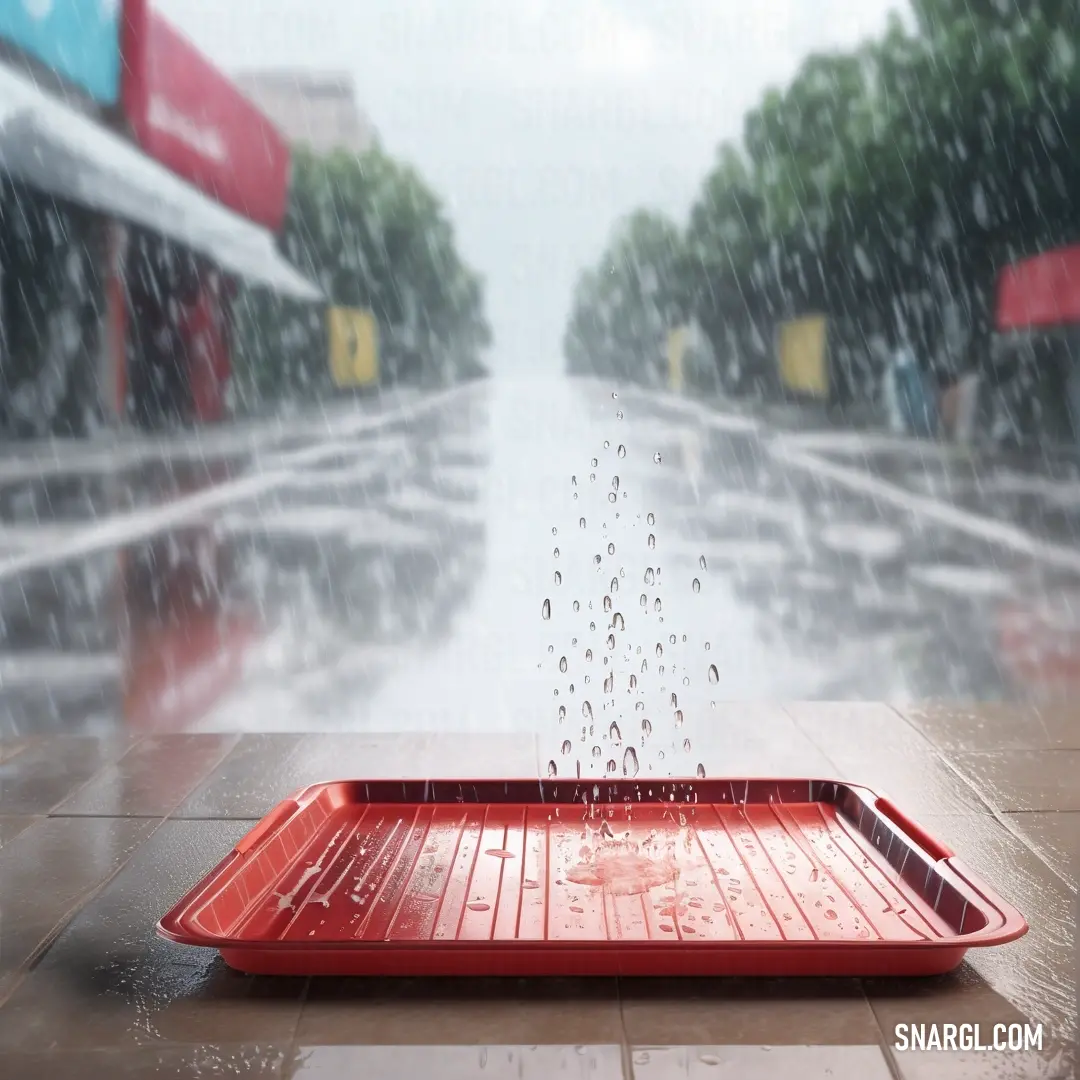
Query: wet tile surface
(460, 1012)
(1056, 838)
(47, 872)
(109, 982)
(675, 1012)
(10, 827)
(50, 771)
(264, 769)
(151, 779)
(759, 1062)
(998, 727)
(1025, 779)
(455, 1062)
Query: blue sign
(78, 39)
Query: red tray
(553, 877)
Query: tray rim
(173, 925)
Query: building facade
(314, 110)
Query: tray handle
(934, 848)
(269, 824)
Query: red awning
(1043, 291)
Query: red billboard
(186, 114)
(1043, 291)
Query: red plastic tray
(527, 877)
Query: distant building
(317, 110)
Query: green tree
(623, 308)
(373, 235)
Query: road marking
(975, 525)
(122, 529)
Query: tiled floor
(99, 837)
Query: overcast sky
(541, 122)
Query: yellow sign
(804, 360)
(676, 351)
(354, 346)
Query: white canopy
(50, 146)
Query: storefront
(188, 116)
(1035, 368)
(86, 209)
(51, 299)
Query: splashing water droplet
(686, 745)
(586, 710)
(714, 675)
(581, 523)
(650, 576)
(563, 665)
(619, 415)
(651, 519)
(611, 496)
(596, 751)
(607, 603)
(546, 609)
(607, 444)
(611, 641)
(658, 606)
(611, 766)
(656, 458)
(659, 650)
(622, 450)
(566, 747)
(671, 640)
(696, 586)
(678, 718)
(644, 600)
(614, 584)
(611, 549)
(646, 726)
(595, 462)
(701, 771)
(588, 655)
(554, 532)
(633, 682)
(577, 605)
(552, 768)
(630, 762)
(619, 622)
(558, 578)
(702, 563)
(562, 713)
(609, 684)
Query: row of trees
(885, 186)
(374, 236)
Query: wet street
(512, 580)
(388, 566)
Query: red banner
(186, 114)
(1043, 291)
